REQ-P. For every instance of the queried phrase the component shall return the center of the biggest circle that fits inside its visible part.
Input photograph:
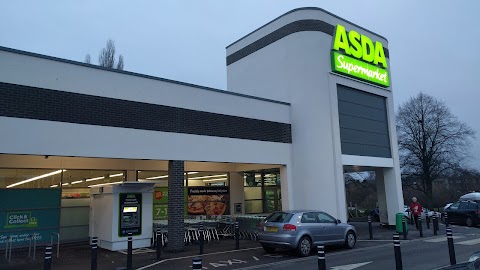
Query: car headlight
(475, 256)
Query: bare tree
(107, 55)
(120, 62)
(88, 59)
(106, 58)
(432, 141)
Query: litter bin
(399, 223)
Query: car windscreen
(279, 217)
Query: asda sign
(357, 56)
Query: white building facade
(285, 110)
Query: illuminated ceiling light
(104, 184)
(54, 186)
(213, 180)
(96, 178)
(65, 184)
(76, 182)
(166, 176)
(157, 177)
(36, 178)
(116, 175)
(206, 177)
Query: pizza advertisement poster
(210, 201)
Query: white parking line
(193, 256)
(441, 239)
(470, 242)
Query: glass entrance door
(273, 199)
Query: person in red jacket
(416, 210)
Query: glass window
(272, 179)
(454, 206)
(30, 178)
(279, 217)
(325, 218)
(309, 218)
(473, 206)
(463, 205)
(252, 179)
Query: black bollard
(237, 236)
(404, 228)
(427, 221)
(451, 248)
(197, 263)
(47, 263)
(321, 258)
(446, 220)
(202, 238)
(159, 244)
(420, 228)
(435, 224)
(370, 227)
(129, 252)
(94, 254)
(398, 252)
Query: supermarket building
(309, 98)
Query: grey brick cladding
(176, 205)
(52, 105)
(294, 27)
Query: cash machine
(119, 209)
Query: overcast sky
(433, 44)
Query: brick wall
(51, 105)
(176, 205)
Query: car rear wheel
(469, 222)
(268, 249)
(350, 240)
(304, 247)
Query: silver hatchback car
(301, 230)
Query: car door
(330, 231)
(311, 226)
(452, 212)
(463, 211)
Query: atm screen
(130, 209)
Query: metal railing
(30, 238)
(58, 242)
(8, 248)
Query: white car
(425, 212)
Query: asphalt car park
(429, 252)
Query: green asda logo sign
(357, 56)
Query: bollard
(398, 252)
(428, 221)
(370, 227)
(435, 224)
(93, 262)
(129, 252)
(451, 248)
(47, 263)
(420, 228)
(159, 244)
(34, 246)
(404, 228)
(237, 236)
(202, 238)
(197, 263)
(321, 258)
(446, 220)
